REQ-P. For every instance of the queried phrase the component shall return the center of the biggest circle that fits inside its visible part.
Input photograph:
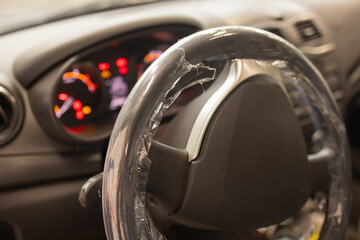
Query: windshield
(19, 14)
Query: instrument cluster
(91, 89)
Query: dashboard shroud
(88, 90)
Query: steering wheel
(262, 149)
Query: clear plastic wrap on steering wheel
(195, 61)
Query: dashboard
(62, 85)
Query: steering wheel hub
(252, 163)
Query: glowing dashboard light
(84, 78)
(106, 74)
(104, 66)
(92, 88)
(115, 44)
(86, 110)
(152, 56)
(63, 96)
(147, 58)
(79, 115)
(77, 105)
(56, 108)
(76, 129)
(121, 62)
(123, 70)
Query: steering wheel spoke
(320, 175)
(167, 177)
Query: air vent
(307, 30)
(10, 115)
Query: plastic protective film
(127, 164)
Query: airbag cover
(253, 169)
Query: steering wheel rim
(127, 163)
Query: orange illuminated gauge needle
(91, 86)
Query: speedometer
(77, 96)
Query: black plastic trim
(20, 171)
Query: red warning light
(104, 66)
(76, 129)
(77, 105)
(123, 70)
(115, 44)
(121, 62)
(79, 115)
(63, 96)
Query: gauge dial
(77, 96)
(149, 58)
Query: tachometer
(149, 58)
(77, 95)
